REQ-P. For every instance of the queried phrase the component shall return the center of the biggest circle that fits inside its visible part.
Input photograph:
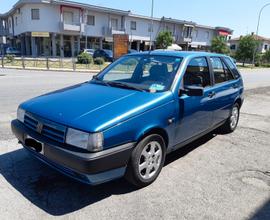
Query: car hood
(92, 107)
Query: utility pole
(152, 25)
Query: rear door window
(221, 71)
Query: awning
(174, 47)
(223, 33)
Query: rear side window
(197, 73)
(221, 71)
(232, 67)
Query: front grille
(46, 128)
(53, 133)
(30, 122)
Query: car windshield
(109, 52)
(141, 72)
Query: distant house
(263, 46)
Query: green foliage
(219, 45)
(10, 58)
(266, 57)
(99, 61)
(259, 59)
(246, 48)
(164, 40)
(84, 58)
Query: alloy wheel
(150, 160)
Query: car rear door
(195, 113)
(225, 89)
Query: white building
(63, 28)
(264, 43)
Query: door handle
(211, 94)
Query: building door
(67, 46)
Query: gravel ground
(217, 177)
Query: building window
(188, 32)
(196, 34)
(68, 17)
(207, 35)
(150, 27)
(133, 25)
(91, 20)
(233, 47)
(35, 14)
(114, 23)
(266, 47)
(16, 21)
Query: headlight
(20, 114)
(91, 142)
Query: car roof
(184, 54)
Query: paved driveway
(217, 177)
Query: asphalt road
(217, 177)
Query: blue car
(124, 121)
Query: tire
(146, 162)
(231, 123)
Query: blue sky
(240, 15)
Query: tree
(219, 45)
(246, 48)
(266, 57)
(164, 40)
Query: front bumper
(90, 168)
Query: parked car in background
(107, 55)
(13, 51)
(132, 51)
(89, 51)
(126, 119)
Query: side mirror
(192, 91)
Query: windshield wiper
(99, 81)
(124, 85)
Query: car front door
(195, 114)
(225, 89)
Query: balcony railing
(181, 39)
(76, 27)
(107, 31)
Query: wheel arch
(154, 130)
(239, 102)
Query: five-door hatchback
(126, 119)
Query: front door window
(197, 73)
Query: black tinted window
(228, 72)
(221, 72)
(97, 52)
(232, 67)
(197, 73)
